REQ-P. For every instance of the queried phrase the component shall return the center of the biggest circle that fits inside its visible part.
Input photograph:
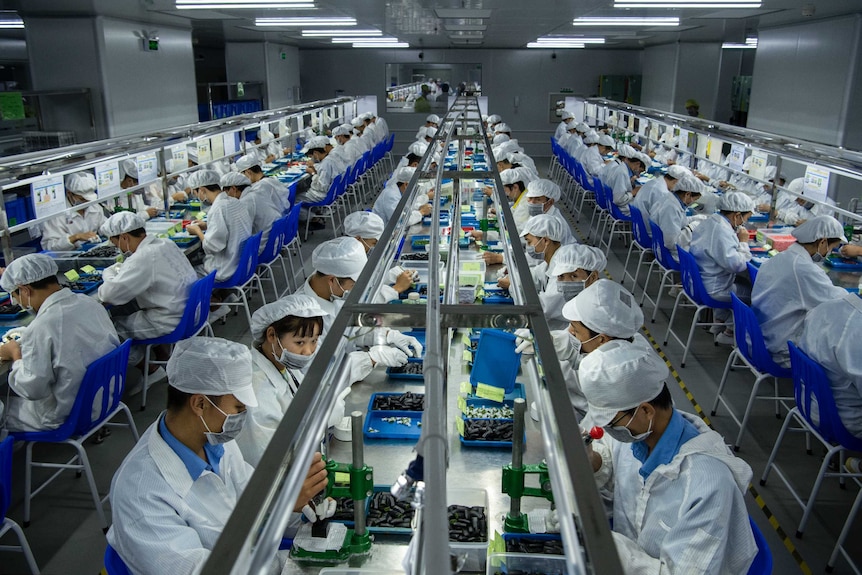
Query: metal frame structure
(251, 536)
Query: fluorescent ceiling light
(626, 21)
(325, 33)
(305, 21)
(569, 40)
(684, 5)
(11, 24)
(555, 46)
(242, 4)
(750, 44)
(381, 45)
(360, 40)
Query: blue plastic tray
(497, 296)
(87, 287)
(8, 316)
(418, 243)
(844, 264)
(184, 242)
(407, 376)
(386, 430)
(758, 217)
(496, 362)
(517, 392)
(479, 443)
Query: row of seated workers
(674, 488)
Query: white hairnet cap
(493, 119)
(688, 183)
(206, 178)
(501, 127)
(573, 257)
(500, 139)
(582, 127)
(175, 165)
(363, 225)
(342, 130)
(572, 127)
(342, 257)
(246, 162)
(818, 228)
(121, 223)
(26, 270)
(606, 307)
(212, 366)
(501, 150)
(796, 185)
(520, 174)
(357, 121)
(433, 118)
(233, 179)
(592, 137)
(605, 140)
(677, 172)
(626, 151)
(736, 202)
(769, 172)
(80, 182)
(129, 168)
(418, 148)
(297, 305)
(645, 160)
(541, 187)
(544, 226)
(404, 174)
(266, 136)
(619, 376)
(315, 143)
(516, 157)
(568, 115)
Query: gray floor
(66, 538)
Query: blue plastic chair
(752, 272)
(619, 222)
(693, 291)
(751, 353)
(7, 524)
(762, 564)
(328, 203)
(292, 244)
(812, 389)
(244, 276)
(97, 402)
(114, 564)
(642, 241)
(272, 252)
(194, 320)
(667, 267)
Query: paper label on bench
(467, 355)
(459, 424)
(72, 275)
(462, 403)
(466, 387)
(486, 391)
(88, 270)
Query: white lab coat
(592, 160)
(689, 516)
(552, 301)
(262, 211)
(665, 154)
(279, 193)
(382, 126)
(649, 197)
(719, 254)
(573, 144)
(56, 231)
(668, 213)
(158, 277)
(325, 172)
(831, 336)
(789, 286)
(387, 201)
(355, 149)
(228, 225)
(163, 521)
(562, 130)
(618, 177)
(70, 332)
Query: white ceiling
(511, 24)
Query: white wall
(531, 75)
(659, 76)
(674, 73)
(802, 85)
(282, 75)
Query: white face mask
(289, 359)
(230, 429)
(20, 301)
(624, 434)
(817, 257)
(343, 296)
(570, 289)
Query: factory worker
(493, 120)
(343, 134)
(678, 491)
(155, 275)
(515, 182)
(259, 204)
(147, 201)
(69, 332)
(176, 489)
(575, 141)
(500, 139)
(669, 212)
(830, 336)
(794, 210)
(381, 125)
(542, 235)
(500, 150)
(574, 268)
(566, 137)
(792, 283)
(542, 194)
(228, 225)
(339, 162)
(619, 174)
(692, 108)
(366, 228)
(66, 232)
(387, 201)
(502, 128)
(338, 152)
(567, 119)
(250, 167)
(665, 152)
(720, 247)
(323, 170)
(591, 155)
(433, 121)
(519, 160)
(655, 190)
(178, 189)
(336, 266)
(358, 125)
(763, 192)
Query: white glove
(524, 341)
(502, 272)
(387, 356)
(563, 344)
(111, 272)
(543, 521)
(404, 343)
(323, 510)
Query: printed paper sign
(49, 196)
(148, 168)
(107, 178)
(683, 140)
(758, 164)
(179, 152)
(816, 184)
(714, 150)
(737, 157)
(230, 143)
(217, 147)
(204, 153)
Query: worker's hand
(651, 154)
(11, 350)
(111, 272)
(430, 193)
(195, 230)
(635, 190)
(851, 251)
(476, 234)
(179, 197)
(405, 343)
(492, 258)
(315, 482)
(321, 510)
(701, 177)
(83, 237)
(426, 210)
(742, 234)
(763, 208)
(524, 341)
(269, 159)
(387, 356)
(504, 282)
(488, 190)
(152, 212)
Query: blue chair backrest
(390, 142)
(639, 228)
(291, 229)
(334, 189)
(247, 262)
(692, 283)
(752, 272)
(366, 162)
(665, 258)
(762, 564)
(114, 564)
(812, 390)
(99, 394)
(274, 242)
(5, 475)
(615, 210)
(750, 342)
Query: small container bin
(84, 287)
(419, 242)
(542, 544)
(496, 362)
(406, 372)
(838, 262)
(379, 423)
(467, 432)
(511, 563)
(475, 552)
